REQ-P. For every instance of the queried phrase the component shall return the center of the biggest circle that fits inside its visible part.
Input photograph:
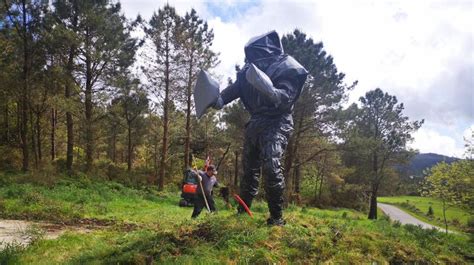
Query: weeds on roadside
(9, 252)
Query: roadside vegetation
(457, 217)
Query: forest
(88, 94)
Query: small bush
(430, 211)
(455, 222)
(397, 224)
(45, 175)
(34, 234)
(10, 160)
(10, 252)
(470, 222)
(2, 205)
(385, 217)
(60, 164)
(14, 191)
(32, 197)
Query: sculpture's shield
(206, 92)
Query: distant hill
(421, 162)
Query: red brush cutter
(242, 203)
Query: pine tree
(381, 133)
(102, 46)
(195, 40)
(133, 104)
(323, 93)
(162, 31)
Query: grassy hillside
(143, 225)
(418, 206)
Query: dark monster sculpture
(269, 84)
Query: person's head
(211, 170)
(263, 46)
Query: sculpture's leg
(251, 164)
(273, 145)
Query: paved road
(404, 218)
(13, 231)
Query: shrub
(46, 175)
(14, 191)
(470, 227)
(60, 164)
(32, 197)
(455, 222)
(430, 211)
(10, 253)
(397, 224)
(470, 222)
(10, 160)
(350, 196)
(2, 206)
(34, 233)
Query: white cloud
(146, 7)
(469, 132)
(420, 51)
(430, 141)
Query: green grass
(165, 233)
(418, 206)
(71, 200)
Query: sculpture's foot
(276, 221)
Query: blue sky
(230, 12)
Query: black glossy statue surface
(268, 85)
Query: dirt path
(404, 218)
(22, 232)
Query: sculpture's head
(263, 46)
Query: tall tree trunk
(155, 158)
(67, 92)
(129, 158)
(373, 196)
(54, 114)
(38, 135)
(24, 94)
(236, 169)
(297, 177)
(18, 122)
(164, 147)
(444, 215)
(88, 106)
(114, 144)
(188, 113)
(33, 140)
(373, 203)
(69, 120)
(292, 153)
(321, 182)
(316, 187)
(6, 123)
